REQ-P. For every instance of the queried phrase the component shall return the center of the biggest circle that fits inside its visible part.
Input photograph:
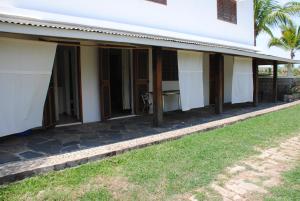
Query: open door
(49, 119)
(63, 102)
(141, 77)
(105, 97)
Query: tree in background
(269, 13)
(289, 41)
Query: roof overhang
(45, 28)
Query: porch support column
(219, 83)
(157, 86)
(255, 82)
(275, 70)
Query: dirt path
(250, 179)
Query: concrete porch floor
(62, 148)
(44, 143)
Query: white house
(87, 61)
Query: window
(160, 1)
(170, 65)
(227, 10)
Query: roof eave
(42, 28)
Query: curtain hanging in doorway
(126, 79)
(25, 71)
(242, 80)
(190, 68)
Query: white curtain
(25, 71)
(242, 81)
(228, 73)
(190, 69)
(126, 79)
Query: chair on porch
(146, 102)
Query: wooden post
(219, 83)
(275, 70)
(255, 82)
(157, 86)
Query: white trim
(26, 72)
(122, 117)
(70, 124)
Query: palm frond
(269, 13)
(277, 42)
(289, 40)
(268, 30)
(292, 8)
(278, 17)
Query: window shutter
(227, 10)
(160, 1)
(233, 11)
(220, 9)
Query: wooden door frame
(101, 84)
(78, 54)
(134, 78)
(49, 110)
(133, 81)
(79, 84)
(135, 104)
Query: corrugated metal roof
(16, 20)
(79, 27)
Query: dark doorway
(141, 78)
(115, 76)
(63, 103)
(116, 83)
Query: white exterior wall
(171, 102)
(206, 64)
(90, 84)
(198, 17)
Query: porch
(45, 143)
(95, 82)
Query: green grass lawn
(160, 172)
(290, 189)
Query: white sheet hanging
(126, 79)
(242, 81)
(190, 69)
(228, 73)
(25, 71)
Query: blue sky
(263, 38)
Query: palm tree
(269, 13)
(289, 40)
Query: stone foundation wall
(266, 85)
